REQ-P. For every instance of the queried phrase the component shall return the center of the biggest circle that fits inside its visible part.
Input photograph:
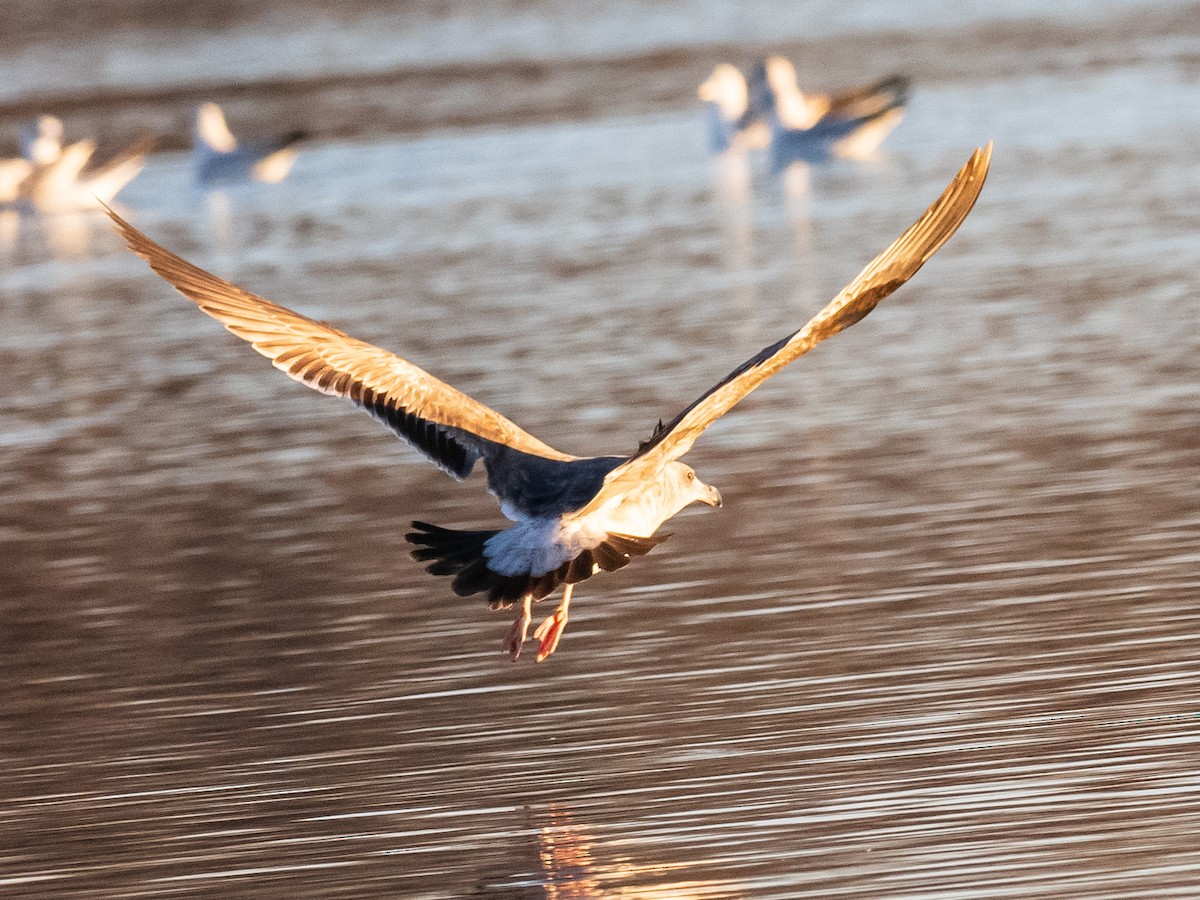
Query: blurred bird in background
(218, 158)
(768, 110)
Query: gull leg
(520, 628)
(550, 631)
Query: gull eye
(691, 476)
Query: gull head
(688, 488)
(727, 89)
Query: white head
(640, 512)
(727, 89)
(685, 488)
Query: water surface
(941, 641)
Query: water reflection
(738, 201)
(65, 234)
(219, 211)
(10, 230)
(575, 865)
(797, 187)
(733, 188)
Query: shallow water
(941, 641)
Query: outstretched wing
(881, 277)
(106, 181)
(450, 428)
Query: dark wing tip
(659, 430)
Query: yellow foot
(550, 633)
(519, 631)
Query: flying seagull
(69, 183)
(573, 516)
(49, 176)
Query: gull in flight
(572, 516)
(51, 177)
(68, 184)
(218, 157)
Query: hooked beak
(712, 496)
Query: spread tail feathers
(460, 553)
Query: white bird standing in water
(573, 516)
(850, 124)
(732, 125)
(218, 158)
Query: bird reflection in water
(219, 210)
(732, 191)
(10, 230)
(67, 234)
(797, 186)
(575, 866)
(733, 202)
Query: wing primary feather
(452, 429)
(881, 277)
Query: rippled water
(940, 642)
